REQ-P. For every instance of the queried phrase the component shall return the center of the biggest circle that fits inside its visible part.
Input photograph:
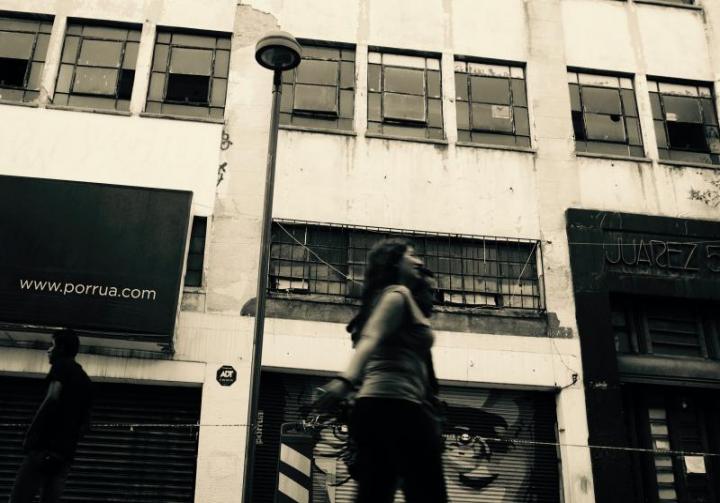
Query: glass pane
(223, 43)
(318, 72)
(70, 49)
(374, 107)
(163, 37)
(575, 98)
(435, 113)
(495, 118)
(404, 80)
(461, 86)
(682, 109)
(403, 107)
(91, 102)
(463, 115)
(493, 139)
(433, 84)
(286, 100)
(131, 54)
(602, 100)
(105, 32)
(708, 109)
(374, 78)
(16, 45)
(16, 24)
(222, 63)
(604, 127)
(157, 85)
(219, 90)
(321, 99)
(190, 61)
(522, 123)
(347, 104)
(633, 131)
(160, 58)
(100, 53)
(41, 47)
(101, 81)
(347, 75)
(660, 134)
(490, 89)
(193, 40)
(186, 110)
(518, 92)
(348, 55)
(607, 148)
(34, 78)
(321, 52)
(64, 79)
(628, 99)
(59, 99)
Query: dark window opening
(12, 72)
(125, 85)
(188, 89)
(578, 126)
(196, 252)
(687, 136)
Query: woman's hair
(381, 271)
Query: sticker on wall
(671, 117)
(694, 464)
(226, 375)
(501, 112)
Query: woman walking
(399, 441)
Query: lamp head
(278, 51)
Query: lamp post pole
(277, 51)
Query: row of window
(405, 99)
(97, 68)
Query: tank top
(397, 367)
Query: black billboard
(105, 258)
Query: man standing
(62, 418)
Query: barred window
(665, 326)
(189, 74)
(471, 271)
(23, 47)
(98, 66)
(491, 104)
(686, 125)
(404, 96)
(605, 115)
(320, 92)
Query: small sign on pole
(226, 375)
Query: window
(320, 92)
(471, 271)
(686, 125)
(98, 66)
(196, 252)
(491, 104)
(189, 75)
(665, 326)
(604, 115)
(404, 96)
(23, 46)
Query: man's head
(65, 345)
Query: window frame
(164, 43)
(489, 136)
(317, 119)
(432, 127)
(204, 224)
(119, 102)
(667, 152)
(43, 29)
(625, 85)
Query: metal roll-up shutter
(515, 469)
(115, 462)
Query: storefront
(647, 293)
(518, 466)
(106, 261)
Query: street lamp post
(277, 51)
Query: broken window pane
(404, 107)
(12, 72)
(187, 89)
(496, 118)
(687, 136)
(578, 126)
(125, 84)
(604, 127)
(404, 80)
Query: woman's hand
(332, 394)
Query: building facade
(554, 161)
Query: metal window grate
(471, 271)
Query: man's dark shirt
(66, 419)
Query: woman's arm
(385, 319)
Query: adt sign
(226, 375)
